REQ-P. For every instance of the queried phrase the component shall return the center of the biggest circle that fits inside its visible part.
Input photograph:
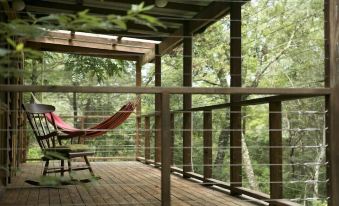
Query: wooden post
(172, 126)
(235, 116)
(207, 144)
(75, 109)
(165, 151)
(275, 135)
(332, 101)
(138, 108)
(147, 135)
(187, 100)
(157, 142)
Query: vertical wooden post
(75, 109)
(172, 137)
(332, 101)
(235, 116)
(157, 142)
(275, 135)
(165, 151)
(187, 100)
(207, 144)
(138, 108)
(147, 135)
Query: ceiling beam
(99, 39)
(170, 5)
(99, 46)
(73, 7)
(109, 47)
(84, 51)
(208, 16)
(147, 57)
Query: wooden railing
(166, 131)
(275, 147)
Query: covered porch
(153, 176)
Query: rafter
(100, 45)
(209, 15)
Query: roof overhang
(197, 15)
(95, 45)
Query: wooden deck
(122, 183)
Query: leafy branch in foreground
(15, 32)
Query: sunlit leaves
(100, 68)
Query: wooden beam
(138, 83)
(59, 7)
(183, 6)
(85, 51)
(276, 152)
(172, 127)
(187, 99)
(332, 101)
(157, 90)
(256, 101)
(157, 105)
(235, 111)
(165, 150)
(209, 15)
(99, 39)
(147, 57)
(207, 136)
(73, 42)
(147, 135)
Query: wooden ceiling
(195, 14)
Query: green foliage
(34, 152)
(16, 31)
(102, 68)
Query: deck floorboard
(121, 183)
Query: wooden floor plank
(121, 183)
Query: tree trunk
(223, 141)
(246, 157)
(319, 161)
(248, 166)
(34, 77)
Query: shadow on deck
(122, 183)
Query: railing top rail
(170, 90)
(256, 101)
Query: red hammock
(97, 130)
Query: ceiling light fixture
(18, 5)
(161, 3)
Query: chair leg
(62, 167)
(69, 168)
(45, 168)
(89, 165)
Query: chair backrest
(44, 131)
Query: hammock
(110, 123)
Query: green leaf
(11, 42)
(121, 24)
(19, 47)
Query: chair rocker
(50, 141)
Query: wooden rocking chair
(49, 140)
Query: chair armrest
(62, 136)
(52, 134)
